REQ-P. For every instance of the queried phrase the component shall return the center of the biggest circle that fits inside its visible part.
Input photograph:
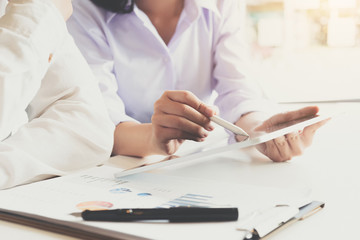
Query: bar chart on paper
(59, 202)
(192, 200)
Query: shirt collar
(193, 9)
(109, 16)
(191, 6)
(208, 4)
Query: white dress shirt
(134, 66)
(52, 116)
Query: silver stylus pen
(229, 126)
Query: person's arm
(178, 116)
(285, 147)
(131, 137)
(24, 58)
(87, 26)
(241, 100)
(68, 126)
(169, 126)
(238, 92)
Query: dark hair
(118, 6)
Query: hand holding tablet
(296, 130)
(281, 130)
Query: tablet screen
(286, 128)
(277, 131)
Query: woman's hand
(179, 116)
(293, 144)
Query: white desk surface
(330, 167)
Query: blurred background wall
(305, 50)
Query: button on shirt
(134, 66)
(52, 117)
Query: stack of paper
(56, 204)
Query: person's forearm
(133, 139)
(26, 47)
(69, 128)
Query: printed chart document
(56, 204)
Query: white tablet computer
(280, 130)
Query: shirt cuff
(118, 118)
(265, 106)
(233, 115)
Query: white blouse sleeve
(25, 51)
(237, 92)
(48, 81)
(88, 27)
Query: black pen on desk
(176, 214)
